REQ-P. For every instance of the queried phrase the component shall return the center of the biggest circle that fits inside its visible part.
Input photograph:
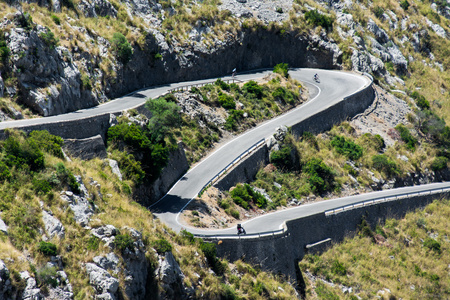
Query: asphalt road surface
(333, 87)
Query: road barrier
(383, 199)
(231, 165)
(242, 236)
(188, 87)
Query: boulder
(108, 262)
(31, 291)
(105, 284)
(115, 168)
(52, 225)
(79, 204)
(170, 275)
(280, 133)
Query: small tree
(282, 69)
(122, 47)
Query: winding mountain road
(334, 86)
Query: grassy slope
(405, 263)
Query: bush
(47, 276)
(23, 153)
(93, 243)
(321, 177)
(162, 246)
(124, 241)
(86, 82)
(187, 236)
(317, 19)
(439, 163)
(407, 137)
(383, 164)
(284, 95)
(253, 88)
(56, 19)
(5, 173)
(227, 102)
(121, 47)
(210, 252)
(244, 194)
(47, 248)
(66, 176)
(25, 21)
(421, 102)
(233, 118)
(49, 38)
(41, 186)
(158, 56)
(347, 147)
(222, 84)
(282, 69)
(404, 4)
(165, 115)
(283, 158)
(378, 11)
(48, 142)
(338, 268)
(4, 50)
(432, 245)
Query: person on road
(240, 229)
(316, 77)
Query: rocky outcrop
(79, 204)
(104, 283)
(5, 282)
(170, 276)
(52, 225)
(97, 8)
(115, 168)
(49, 81)
(89, 148)
(192, 105)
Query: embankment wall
(280, 253)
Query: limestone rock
(79, 204)
(108, 262)
(280, 133)
(191, 104)
(169, 274)
(105, 284)
(115, 168)
(63, 290)
(106, 233)
(52, 225)
(437, 29)
(380, 35)
(31, 291)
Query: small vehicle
(240, 229)
(316, 78)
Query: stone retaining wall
(280, 253)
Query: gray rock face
(169, 274)
(31, 291)
(63, 290)
(115, 168)
(106, 233)
(108, 262)
(52, 225)
(79, 204)
(191, 105)
(280, 133)
(105, 284)
(437, 29)
(380, 35)
(95, 8)
(50, 83)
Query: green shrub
(5, 173)
(210, 252)
(284, 95)
(279, 10)
(41, 186)
(233, 118)
(56, 19)
(253, 88)
(222, 84)
(47, 248)
(227, 102)
(317, 19)
(165, 115)
(47, 276)
(93, 243)
(23, 153)
(347, 147)
(283, 158)
(404, 4)
(338, 268)
(243, 194)
(48, 142)
(162, 246)
(421, 102)
(378, 11)
(124, 241)
(66, 176)
(439, 163)
(364, 229)
(406, 136)
(158, 56)
(25, 21)
(86, 82)
(121, 47)
(383, 164)
(187, 236)
(4, 50)
(321, 177)
(282, 69)
(432, 245)
(227, 292)
(48, 37)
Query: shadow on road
(169, 204)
